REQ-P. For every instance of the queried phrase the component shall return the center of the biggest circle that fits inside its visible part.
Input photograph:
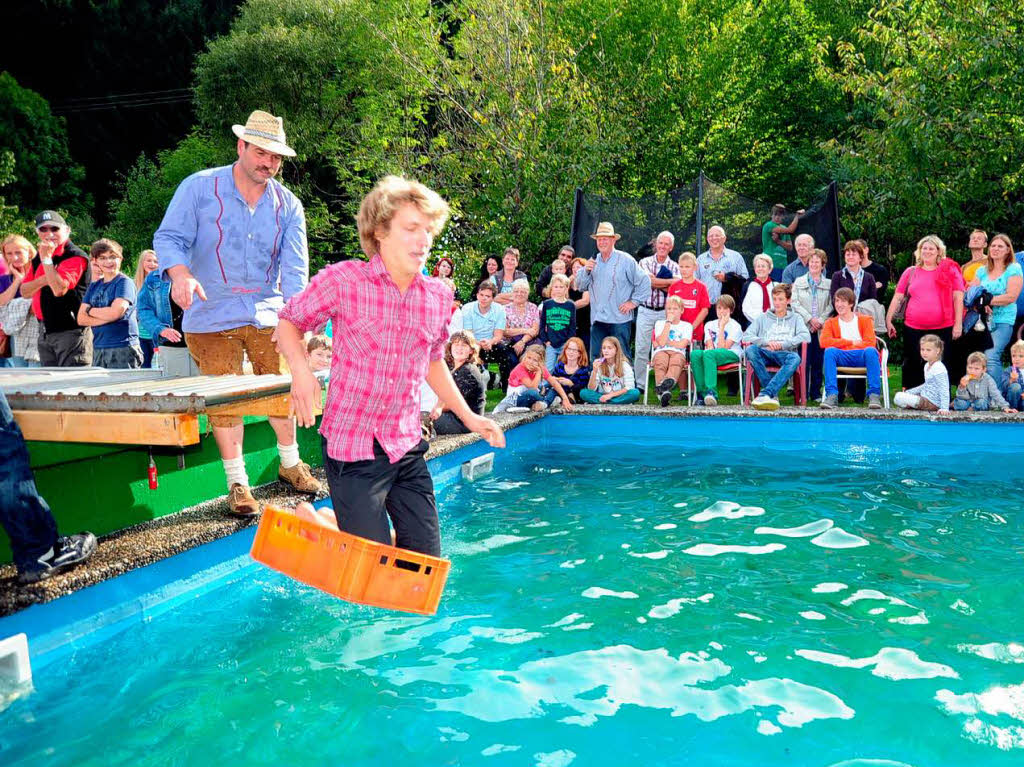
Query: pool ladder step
(478, 467)
(15, 669)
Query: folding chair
(729, 367)
(852, 372)
(799, 379)
(650, 374)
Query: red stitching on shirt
(220, 231)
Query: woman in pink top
(933, 290)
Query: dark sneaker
(668, 384)
(874, 402)
(666, 397)
(831, 402)
(69, 551)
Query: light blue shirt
(794, 270)
(1001, 315)
(483, 325)
(248, 262)
(708, 267)
(611, 284)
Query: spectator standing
(617, 285)
(804, 246)
(933, 291)
(557, 320)
(693, 293)
(876, 270)
(1001, 276)
(566, 255)
(976, 245)
(162, 319)
(16, 317)
(662, 271)
(235, 238)
(811, 301)
(717, 264)
(56, 283)
(108, 307)
(581, 300)
(147, 265)
(777, 240)
(853, 275)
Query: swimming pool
(813, 593)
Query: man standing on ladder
(233, 245)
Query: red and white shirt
(383, 344)
(695, 298)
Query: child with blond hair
(933, 394)
(978, 390)
(1013, 377)
(612, 380)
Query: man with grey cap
(233, 245)
(617, 286)
(56, 281)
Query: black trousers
(366, 494)
(913, 365)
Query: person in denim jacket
(161, 318)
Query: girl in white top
(612, 380)
(669, 340)
(933, 394)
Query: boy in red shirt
(693, 292)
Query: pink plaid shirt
(383, 345)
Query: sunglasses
(48, 229)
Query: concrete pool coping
(164, 537)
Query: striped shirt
(383, 344)
(651, 265)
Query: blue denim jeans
(961, 404)
(529, 396)
(760, 358)
(601, 330)
(1001, 335)
(551, 356)
(852, 358)
(1013, 395)
(24, 515)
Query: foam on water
(596, 592)
(726, 510)
(888, 663)
(803, 531)
(714, 549)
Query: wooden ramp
(133, 407)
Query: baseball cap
(50, 217)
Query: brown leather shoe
(301, 478)
(241, 503)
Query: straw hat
(605, 229)
(265, 131)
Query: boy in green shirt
(777, 240)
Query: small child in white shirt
(933, 394)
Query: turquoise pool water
(636, 593)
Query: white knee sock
(234, 470)
(289, 454)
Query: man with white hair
(716, 263)
(617, 286)
(804, 246)
(663, 271)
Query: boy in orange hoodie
(848, 340)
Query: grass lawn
(494, 396)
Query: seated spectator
(611, 380)
(444, 267)
(722, 346)
(811, 300)
(573, 369)
(875, 269)
(756, 296)
(16, 317)
(1013, 377)
(506, 277)
(853, 275)
(848, 340)
(486, 321)
(162, 318)
(146, 266)
(693, 292)
(108, 307)
(933, 394)
(532, 386)
(455, 323)
(804, 246)
(978, 390)
(522, 320)
(775, 338)
(669, 340)
(462, 353)
(39, 550)
(318, 350)
(557, 320)
(560, 265)
(776, 239)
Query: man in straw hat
(617, 286)
(233, 245)
(390, 327)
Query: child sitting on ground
(977, 389)
(722, 346)
(318, 349)
(530, 385)
(933, 394)
(669, 340)
(573, 368)
(1013, 377)
(612, 380)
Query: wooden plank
(276, 406)
(173, 429)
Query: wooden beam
(276, 406)
(172, 429)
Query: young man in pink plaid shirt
(390, 327)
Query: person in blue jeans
(39, 550)
(1001, 276)
(1012, 384)
(774, 338)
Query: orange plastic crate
(348, 566)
